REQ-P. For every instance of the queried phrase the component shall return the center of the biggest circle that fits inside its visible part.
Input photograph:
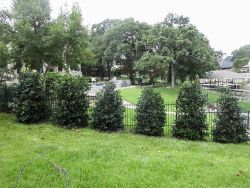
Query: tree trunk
(169, 75)
(129, 71)
(172, 75)
(109, 71)
(132, 79)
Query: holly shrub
(150, 114)
(71, 101)
(29, 104)
(230, 126)
(190, 112)
(108, 111)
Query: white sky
(226, 23)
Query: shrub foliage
(71, 102)
(150, 115)
(29, 104)
(6, 97)
(52, 80)
(190, 114)
(108, 111)
(230, 126)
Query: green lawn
(170, 94)
(132, 94)
(94, 159)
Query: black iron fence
(170, 110)
(129, 114)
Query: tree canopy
(172, 49)
(241, 56)
(123, 45)
(34, 39)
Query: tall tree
(124, 45)
(30, 22)
(103, 65)
(5, 26)
(76, 39)
(241, 56)
(152, 65)
(197, 57)
(188, 50)
(54, 42)
(157, 57)
(4, 59)
(5, 36)
(39, 41)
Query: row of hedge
(191, 116)
(63, 100)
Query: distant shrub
(230, 126)
(108, 111)
(6, 97)
(117, 72)
(190, 116)
(150, 114)
(71, 101)
(29, 104)
(3, 100)
(139, 80)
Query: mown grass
(170, 95)
(132, 94)
(94, 159)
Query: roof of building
(226, 63)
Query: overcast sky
(226, 23)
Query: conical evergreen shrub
(108, 111)
(150, 114)
(230, 126)
(190, 116)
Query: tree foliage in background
(190, 113)
(174, 48)
(150, 113)
(123, 45)
(188, 49)
(29, 105)
(152, 65)
(37, 41)
(76, 51)
(30, 24)
(71, 102)
(5, 36)
(103, 65)
(108, 111)
(241, 56)
(4, 60)
(33, 38)
(230, 126)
